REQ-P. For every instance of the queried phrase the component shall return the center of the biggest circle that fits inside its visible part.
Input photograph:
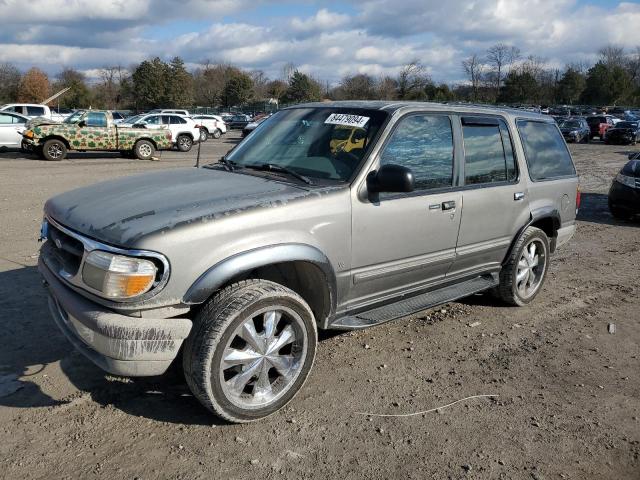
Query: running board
(415, 304)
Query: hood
(39, 121)
(123, 211)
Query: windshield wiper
(228, 164)
(270, 167)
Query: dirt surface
(569, 391)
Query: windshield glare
(312, 141)
(570, 124)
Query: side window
(423, 143)
(5, 119)
(35, 111)
(17, 119)
(546, 153)
(488, 151)
(177, 120)
(96, 119)
(153, 120)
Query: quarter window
(488, 152)
(177, 120)
(546, 153)
(424, 144)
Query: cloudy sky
(325, 38)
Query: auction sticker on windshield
(346, 120)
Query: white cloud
(378, 37)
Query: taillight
(578, 198)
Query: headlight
(118, 276)
(28, 133)
(625, 180)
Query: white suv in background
(184, 130)
(171, 110)
(211, 125)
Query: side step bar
(415, 304)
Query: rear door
(405, 241)
(494, 196)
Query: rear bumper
(117, 343)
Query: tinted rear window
(545, 150)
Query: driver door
(403, 242)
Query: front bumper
(119, 344)
(625, 198)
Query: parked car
(184, 130)
(251, 126)
(623, 133)
(177, 111)
(211, 125)
(624, 194)
(93, 130)
(599, 124)
(575, 129)
(238, 121)
(11, 127)
(32, 110)
(245, 259)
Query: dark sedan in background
(575, 129)
(624, 194)
(623, 133)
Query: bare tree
(9, 82)
(612, 56)
(474, 69)
(288, 69)
(412, 81)
(501, 56)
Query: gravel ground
(569, 392)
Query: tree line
(502, 74)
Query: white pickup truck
(32, 110)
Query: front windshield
(311, 141)
(570, 124)
(627, 125)
(74, 117)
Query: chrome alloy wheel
(145, 150)
(531, 268)
(263, 357)
(185, 142)
(54, 151)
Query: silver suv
(329, 216)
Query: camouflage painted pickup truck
(93, 130)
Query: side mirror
(140, 125)
(391, 178)
(82, 123)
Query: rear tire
(144, 150)
(525, 271)
(204, 134)
(54, 150)
(184, 143)
(250, 351)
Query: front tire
(144, 150)
(184, 143)
(250, 351)
(217, 133)
(54, 150)
(525, 271)
(204, 134)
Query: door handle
(450, 205)
(518, 196)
